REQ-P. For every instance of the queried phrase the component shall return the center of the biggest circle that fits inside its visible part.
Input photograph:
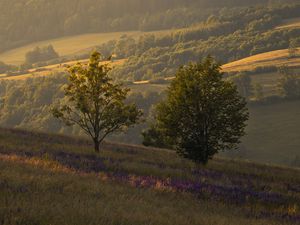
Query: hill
(289, 23)
(50, 179)
(268, 59)
(40, 20)
(69, 46)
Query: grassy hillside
(290, 23)
(53, 69)
(273, 133)
(49, 179)
(273, 58)
(65, 46)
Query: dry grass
(51, 179)
(273, 58)
(52, 69)
(64, 46)
(72, 45)
(290, 23)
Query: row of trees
(40, 54)
(202, 115)
(288, 85)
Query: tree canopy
(202, 115)
(95, 103)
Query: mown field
(273, 58)
(290, 23)
(53, 69)
(72, 45)
(50, 179)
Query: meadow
(289, 23)
(71, 45)
(51, 179)
(277, 58)
(64, 46)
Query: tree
(293, 47)
(202, 114)
(40, 54)
(95, 103)
(289, 83)
(258, 92)
(244, 84)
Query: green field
(273, 133)
(51, 179)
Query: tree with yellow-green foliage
(95, 103)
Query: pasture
(71, 45)
(290, 23)
(273, 58)
(51, 179)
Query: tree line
(41, 20)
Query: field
(52, 69)
(290, 23)
(72, 45)
(50, 179)
(277, 58)
(273, 133)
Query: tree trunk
(97, 146)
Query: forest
(41, 20)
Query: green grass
(274, 133)
(51, 179)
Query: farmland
(273, 58)
(70, 46)
(51, 179)
(290, 23)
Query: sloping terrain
(290, 23)
(71, 45)
(51, 179)
(273, 58)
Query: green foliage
(293, 47)
(40, 20)
(226, 36)
(203, 114)
(40, 55)
(258, 92)
(3, 67)
(94, 103)
(243, 83)
(289, 83)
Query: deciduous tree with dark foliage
(202, 115)
(95, 103)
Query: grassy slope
(64, 46)
(53, 69)
(290, 23)
(273, 133)
(71, 45)
(47, 179)
(278, 58)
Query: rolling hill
(290, 23)
(71, 45)
(51, 179)
(273, 58)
